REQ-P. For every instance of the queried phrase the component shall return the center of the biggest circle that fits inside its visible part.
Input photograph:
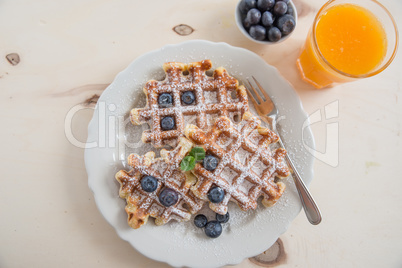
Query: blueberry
(188, 97)
(267, 19)
(258, 32)
(286, 24)
(242, 7)
(290, 10)
(210, 162)
(265, 5)
(286, 1)
(165, 100)
(168, 197)
(149, 184)
(246, 5)
(280, 8)
(167, 123)
(274, 34)
(222, 218)
(200, 221)
(216, 194)
(213, 229)
(253, 16)
(246, 23)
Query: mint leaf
(188, 163)
(198, 153)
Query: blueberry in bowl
(266, 21)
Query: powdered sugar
(181, 244)
(211, 97)
(230, 174)
(242, 156)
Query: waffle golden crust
(142, 204)
(247, 166)
(214, 96)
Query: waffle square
(216, 95)
(142, 204)
(247, 167)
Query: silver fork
(268, 113)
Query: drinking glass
(319, 71)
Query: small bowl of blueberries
(266, 21)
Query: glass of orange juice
(349, 39)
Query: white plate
(181, 244)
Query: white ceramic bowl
(239, 23)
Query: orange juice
(351, 39)
(346, 42)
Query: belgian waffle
(142, 204)
(247, 167)
(227, 98)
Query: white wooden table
(69, 51)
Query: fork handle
(310, 207)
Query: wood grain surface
(56, 56)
